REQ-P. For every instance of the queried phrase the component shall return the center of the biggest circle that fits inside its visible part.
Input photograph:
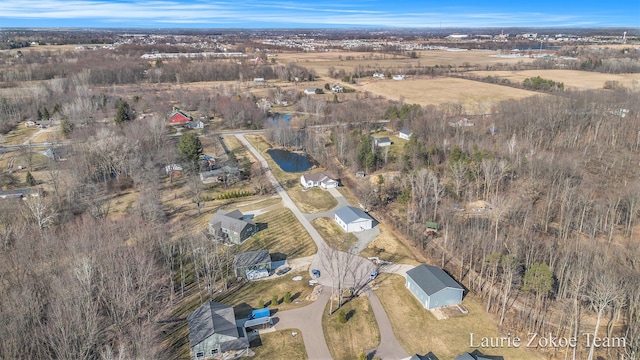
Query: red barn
(179, 117)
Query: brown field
(572, 79)
(475, 97)
(359, 333)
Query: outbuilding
(433, 287)
(352, 219)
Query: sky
(318, 14)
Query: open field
(312, 201)
(572, 79)
(445, 338)
(279, 345)
(475, 97)
(359, 333)
(18, 135)
(387, 247)
(283, 235)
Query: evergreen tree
(124, 113)
(190, 148)
(31, 181)
(66, 127)
(45, 114)
(39, 115)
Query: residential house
(382, 141)
(427, 356)
(477, 355)
(232, 226)
(259, 80)
(226, 174)
(310, 91)
(322, 180)
(398, 77)
(59, 153)
(213, 331)
(252, 265)
(173, 168)
(464, 122)
(433, 287)
(194, 125)
(19, 193)
(337, 88)
(360, 174)
(405, 134)
(378, 75)
(179, 117)
(352, 219)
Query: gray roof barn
(350, 214)
(433, 287)
(352, 219)
(213, 330)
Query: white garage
(352, 219)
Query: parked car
(315, 273)
(313, 282)
(374, 274)
(283, 271)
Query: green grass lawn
(279, 345)
(445, 338)
(312, 201)
(333, 235)
(359, 333)
(284, 234)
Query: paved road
(309, 318)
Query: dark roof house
(213, 331)
(233, 226)
(252, 264)
(433, 287)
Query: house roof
(350, 214)
(251, 258)
(383, 140)
(406, 131)
(179, 117)
(428, 356)
(211, 318)
(318, 177)
(432, 279)
(233, 220)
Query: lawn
(284, 235)
(279, 345)
(333, 235)
(288, 180)
(387, 247)
(312, 201)
(445, 338)
(18, 135)
(359, 333)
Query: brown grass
(572, 79)
(475, 97)
(312, 201)
(392, 249)
(445, 338)
(279, 345)
(359, 333)
(333, 235)
(18, 135)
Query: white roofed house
(322, 180)
(352, 219)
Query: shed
(213, 331)
(310, 91)
(252, 264)
(382, 141)
(433, 287)
(405, 134)
(352, 219)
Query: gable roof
(350, 214)
(382, 140)
(211, 318)
(318, 177)
(251, 258)
(233, 220)
(179, 117)
(432, 279)
(406, 131)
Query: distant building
(232, 226)
(405, 134)
(309, 91)
(398, 77)
(179, 117)
(433, 287)
(322, 180)
(382, 141)
(378, 75)
(352, 219)
(213, 332)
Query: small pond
(290, 161)
(276, 118)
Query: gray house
(252, 265)
(433, 287)
(232, 226)
(213, 331)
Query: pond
(276, 118)
(290, 161)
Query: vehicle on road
(374, 274)
(283, 271)
(315, 273)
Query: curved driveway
(309, 318)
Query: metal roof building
(433, 287)
(352, 219)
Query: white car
(313, 282)
(297, 278)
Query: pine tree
(39, 115)
(45, 114)
(190, 148)
(66, 127)
(31, 181)
(123, 114)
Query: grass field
(279, 345)
(474, 96)
(387, 247)
(18, 135)
(312, 201)
(359, 333)
(445, 338)
(572, 79)
(284, 235)
(333, 235)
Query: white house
(310, 91)
(382, 141)
(322, 180)
(337, 88)
(405, 134)
(398, 77)
(378, 75)
(352, 219)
